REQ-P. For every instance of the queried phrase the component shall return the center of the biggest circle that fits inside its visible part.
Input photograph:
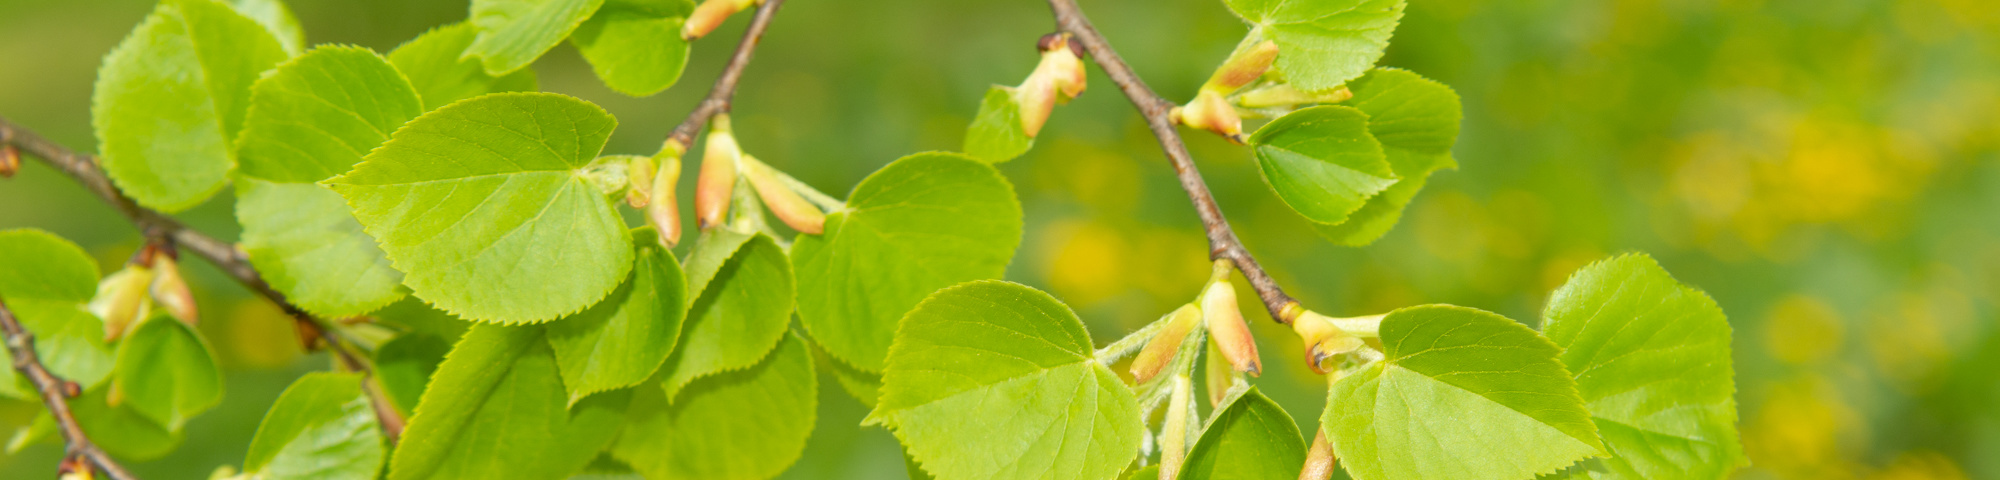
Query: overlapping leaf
(404, 365)
(1322, 44)
(46, 283)
(996, 134)
(740, 313)
(922, 223)
(1416, 120)
(165, 373)
(321, 428)
(485, 208)
(635, 46)
(1251, 437)
(1651, 359)
(622, 340)
(278, 19)
(433, 65)
(1322, 161)
(996, 380)
(748, 424)
(513, 33)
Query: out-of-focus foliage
(1827, 170)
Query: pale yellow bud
(1323, 338)
(1210, 111)
(1243, 67)
(786, 203)
(171, 290)
(639, 182)
(663, 210)
(1173, 447)
(1319, 459)
(711, 14)
(1160, 351)
(122, 299)
(1226, 327)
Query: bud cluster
(1056, 80)
(128, 296)
(1245, 85)
(722, 161)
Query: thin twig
(724, 90)
(55, 393)
(1222, 241)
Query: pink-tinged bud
(122, 300)
(1319, 459)
(1243, 67)
(639, 182)
(711, 14)
(786, 203)
(1285, 96)
(1220, 376)
(1209, 111)
(171, 291)
(1062, 63)
(10, 160)
(1226, 328)
(1324, 338)
(663, 210)
(719, 164)
(1037, 97)
(1160, 351)
(74, 468)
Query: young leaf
(1651, 359)
(1416, 120)
(496, 409)
(1322, 161)
(165, 373)
(305, 241)
(170, 100)
(1325, 43)
(1249, 437)
(47, 282)
(635, 46)
(121, 431)
(509, 230)
(513, 33)
(622, 340)
(404, 365)
(322, 427)
(743, 425)
(924, 222)
(996, 380)
(740, 315)
(1462, 394)
(996, 135)
(432, 63)
(278, 19)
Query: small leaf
(1652, 362)
(996, 380)
(47, 282)
(513, 33)
(635, 46)
(432, 63)
(404, 365)
(1251, 437)
(1462, 394)
(743, 425)
(322, 427)
(996, 134)
(166, 373)
(170, 100)
(510, 229)
(624, 339)
(739, 316)
(1322, 161)
(276, 18)
(122, 431)
(1322, 44)
(1416, 120)
(496, 409)
(924, 222)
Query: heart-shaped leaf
(1322, 161)
(48, 281)
(622, 340)
(433, 64)
(635, 46)
(747, 424)
(166, 373)
(322, 427)
(1322, 44)
(1416, 120)
(513, 33)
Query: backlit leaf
(635, 46)
(1416, 120)
(738, 317)
(321, 428)
(47, 282)
(1249, 438)
(1322, 161)
(513, 33)
(166, 373)
(996, 134)
(278, 19)
(743, 425)
(622, 340)
(432, 63)
(1322, 44)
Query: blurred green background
(1827, 170)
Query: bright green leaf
(1149, 472)
(404, 365)
(322, 427)
(166, 373)
(1322, 44)
(862, 385)
(1322, 161)
(121, 431)
(1416, 120)
(996, 134)
(743, 425)
(171, 98)
(1651, 359)
(278, 19)
(47, 282)
(432, 63)
(1250, 438)
(1461, 394)
(509, 229)
(996, 380)
(513, 33)
(635, 46)
(413, 316)
(306, 243)
(710, 251)
(925, 222)
(496, 409)
(739, 316)
(622, 340)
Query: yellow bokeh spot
(1920, 465)
(1803, 330)
(259, 336)
(1087, 263)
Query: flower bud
(1209, 111)
(1036, 97)
(709, 15)
(1243, 67)
(1062, 63)
(1174, 432)
(791, 208)
(1160, 351)
(122, 299)
(1323, 339)
(663, 210)
(171, 291)
(718, 175)
(639, 181)
(1226, 327)
(1319, 459)
(1220, 377)
(1284, 95)
(10, 160)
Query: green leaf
(1462, 394)
(710, 251)
(171, 97)
(924, 222)
(996, 134)
(165, 373)
(1149, 472)
(862, 385)
(322, 427)
(496, 409)
(624, 339)
(1651, 359)
(1250, 438)
(277, 19)
(413, 316)
(432, 63)
(1322, 161)
(996, 380)
(635, 46)
(740, 315)
(743, 425)
(509, 229)
(47, 282)
(513, 33)
(404, 365)
(307, 244)
(122, 431)
(1322, 44)
(1416, 120)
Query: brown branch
(55, 393)
(719, 95)
(1222, 241)
(224, 255)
